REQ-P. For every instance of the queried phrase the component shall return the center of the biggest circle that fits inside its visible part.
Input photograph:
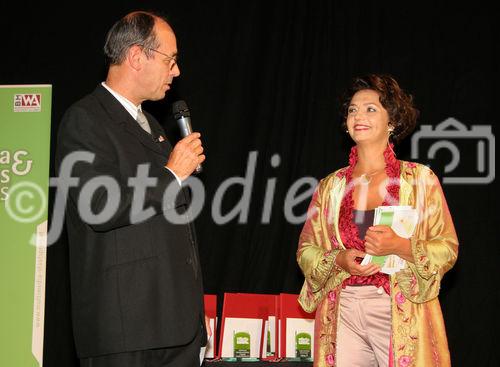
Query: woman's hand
(382, 240)
(346, 259)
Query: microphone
(182, 115)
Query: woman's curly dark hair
(399, 104)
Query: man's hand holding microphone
(186, 157)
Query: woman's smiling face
(367, 120)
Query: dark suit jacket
(133, 286)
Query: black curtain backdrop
(265, 77)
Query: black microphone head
(180, 109)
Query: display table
(283, 363)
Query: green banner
(24, 180)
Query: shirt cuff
(176, 177)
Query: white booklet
(299, 338)
(208, 350)
(403, 221)
(241, 337)
(268, 344)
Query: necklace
(366, 178)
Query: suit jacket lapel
(121, 116)
(158, 135)
(146, 139)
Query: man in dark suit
(136, 287)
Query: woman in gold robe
(365, 317)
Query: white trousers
(364, 330)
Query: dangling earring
(391, 131)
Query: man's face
(160, 68)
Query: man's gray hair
(135, 28)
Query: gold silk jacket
(418, 332)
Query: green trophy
(268, 350)
(241, 344)
(302, 345)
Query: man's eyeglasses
(171, 59)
